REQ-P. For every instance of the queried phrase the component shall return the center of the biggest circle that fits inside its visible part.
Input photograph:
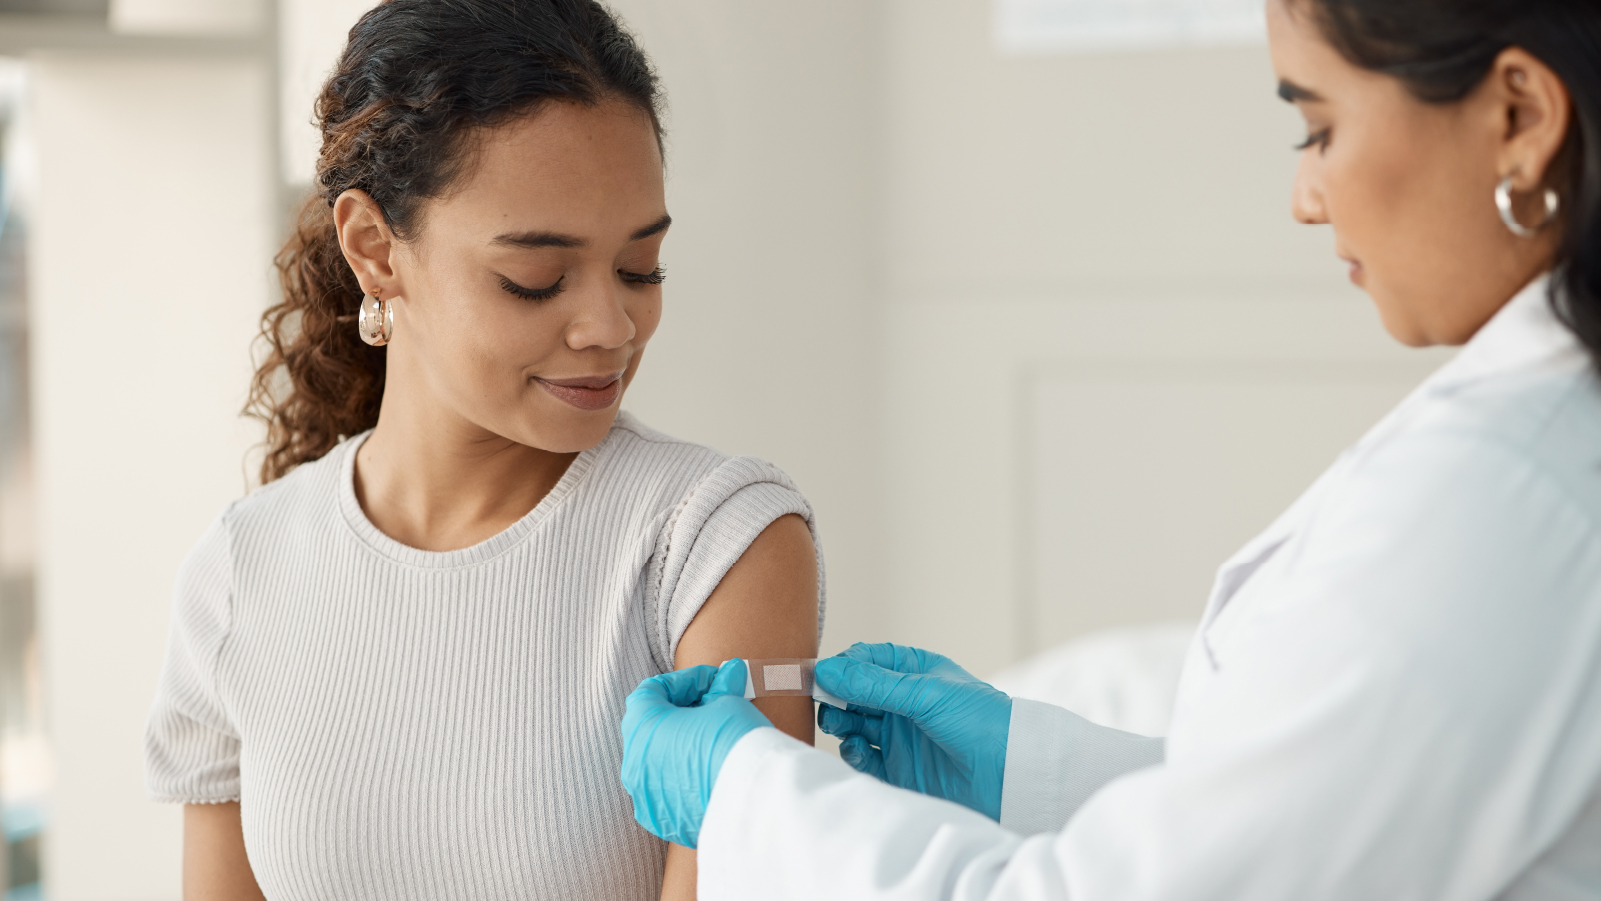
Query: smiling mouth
(590, 393)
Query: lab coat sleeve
(1413, 712)
(784, 820)
(1056, 759)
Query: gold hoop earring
(376, 321)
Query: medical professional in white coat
(1395, 692)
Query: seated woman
(397, 669)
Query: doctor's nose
(1306, 198)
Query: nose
(1306, 197)
(601, 321)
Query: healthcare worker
(1395, 692)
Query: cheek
(646, 316)
(480, 339)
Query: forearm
(786, 821)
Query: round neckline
(493, 546)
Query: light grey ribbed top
(405, 724)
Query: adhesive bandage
(785, 677)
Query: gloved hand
(677, 730)
(916, 720)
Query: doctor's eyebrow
(557, 239)
(1290, 92)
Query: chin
(1401, 326)
(579, 432)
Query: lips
(596, 392)
(1356, 274)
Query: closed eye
(512, 287)
(1318, 139)
(654, 277)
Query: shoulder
(681, 475)
(1492, 494)
(1529, 442)
(310, 490)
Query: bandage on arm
(785, 677)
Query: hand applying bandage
(677, 730)
(917, 720)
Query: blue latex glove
(916, 720)
(677, 730)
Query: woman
(1396, 689)
(397, 668)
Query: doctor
(1396, 689)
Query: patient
(397, 669)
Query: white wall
(188, 17)
(770, 343)
(1080, 253)
(149, 255)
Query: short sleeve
(191, 748)
(710, 530)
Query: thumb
(730, 679)
(874, 687)
(683, 688)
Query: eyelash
(512, 287)
(654, 277)
(1318, 139)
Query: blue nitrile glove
(916, 720)
(678, 728)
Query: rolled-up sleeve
(191, 747)
(707, 534)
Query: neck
(430, 479)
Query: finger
(685, 687)
(874, 688)
(730, 679)
(898, 657)
(868, 726)
(840, 724)
(880, 653)
(863, 757)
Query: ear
(366, 241)
(1538, 114)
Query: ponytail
(335, 381)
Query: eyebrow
(1290, 92)
(557, 239)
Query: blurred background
(1010, 287)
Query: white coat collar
(1523, 334)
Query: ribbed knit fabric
(404, 724)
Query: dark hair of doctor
(417, 79)
(1443, 50)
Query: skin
(1408, 186)
(471, 436)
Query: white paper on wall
(1047, 26)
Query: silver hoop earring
(1503, 203)
(376, 321)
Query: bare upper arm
(214, 864)
(766, 606)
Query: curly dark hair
(1443, 49)
(417, 77)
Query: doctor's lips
(1356, 273)
(596, 392)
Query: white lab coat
(1395, 694)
